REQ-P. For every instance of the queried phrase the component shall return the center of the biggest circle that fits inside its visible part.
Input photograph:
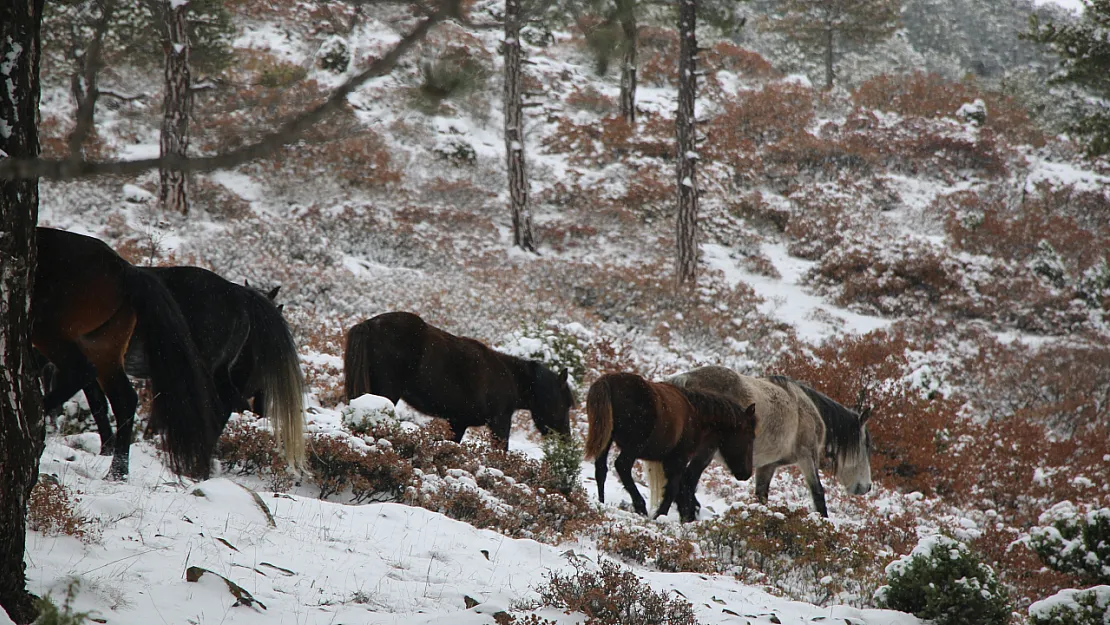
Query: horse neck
(525, 380)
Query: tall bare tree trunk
(627, 13)
(20, 402)
(829, 70)
(686, 262)
(514, 129)
(178, 104)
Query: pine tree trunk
(686, 130)
(20, 402)
(514, 129)
(829, 74)
(178, 104)
(626, 9)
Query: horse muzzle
(860, 489)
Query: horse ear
(563, 376)
(247, 283)
(280, 307)
(273, 292)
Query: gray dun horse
(797, 425)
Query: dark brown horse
(246, 345)
(663, 423)
(86, 306)
(398, 356)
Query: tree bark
(627, 11)
(686, 264)
(20, 401)
(514, 129)
(829, 69)
(178, 105)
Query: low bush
(562, 460)
(790, 549)
(371, 472)
(943, 581)
(1073, 607)
(612, 595)
(246, 449)
(1074, 541)
(53, 511)
(655, 550)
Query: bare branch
(69, 169)
(109, 93)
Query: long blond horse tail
(599, 409)
(657, 482)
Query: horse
(674, 426)
(397, 355)
(87, 305)
(797, 425)
(245, 344)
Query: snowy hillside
(950, 273)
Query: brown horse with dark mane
(663, 423)
(87, 305)
(398, 356)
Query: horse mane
(842, 426)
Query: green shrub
(556, 345)
(1075, 542)
(51, 614)
(281, 75)
(1073, 607)
(334, 56)
(943, 581)
(454, 71)
(562, 458)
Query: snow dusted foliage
(367, 411)
(943, 581)
(1073, 607)
(1072, 540)
(556, 345)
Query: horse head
(852, 463)
(738, 444)
(552, 400)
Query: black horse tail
(356, 360)
(277, 368)
(599, 409)
(185, 408)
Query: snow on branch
(73, 168)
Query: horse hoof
(115, 476)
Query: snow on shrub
(554, 344)
(943, 581)
(1074, 541)
(1073, 607)
(562, 458)
(368, 411)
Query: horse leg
(763, 477)
(73, 373)
(674, 469)
(98, 405)
(458, 431)
(500, 427)
(624, 464)
(688, 504)
(124, 401)
(601, 468)
(809, 471)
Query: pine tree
(828, 25)
(1084, 51)
(686, 235)
(178, 104)
(514, 127)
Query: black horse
(398, 356)
(88, 304)
(245, 343)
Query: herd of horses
(211, 347)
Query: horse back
(78, 284)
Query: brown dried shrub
(376, 473)
(662, 552)
(725, 55)
(658, 56)
(931, 96)
(52, 510)
(246, 449)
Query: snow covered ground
(318, 561)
